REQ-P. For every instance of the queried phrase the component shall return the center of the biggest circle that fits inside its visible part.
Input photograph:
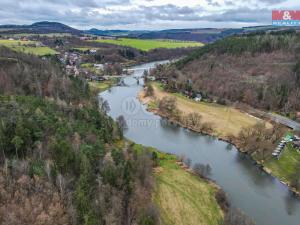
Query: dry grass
(225, 120)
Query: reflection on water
(258, 194)
(291, 202)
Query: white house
(198, 98)
(93, 51)
(99, 66)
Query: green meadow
(147, 45)
(184, 198)
(27, 47)
(287, 166)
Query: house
(84, 38)
(198, 98)
(39, 44)
(97, 78)
(106, 38)
(99, 66)
(296, 144)
(152, 78)
(93, 51)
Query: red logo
(286, 15)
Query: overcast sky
(143, 14)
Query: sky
(144, 14)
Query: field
(83, 49)
(183, 198)
(286, 167)
(225, 120)
(147, 45)
(103, 85)
(22, 46)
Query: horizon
(188, 28)
(144, 14)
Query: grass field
(184, 198)
(103, 85)
(286, 166)
(225, 120)
(22, 46)
(147, 45)
(83, 49)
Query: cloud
(130, 13)
(242, 15)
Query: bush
(36, 168)
(149, 90)
(202, 170)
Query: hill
(44, 27)
(114, 33)
(200, 35)
(261, 70)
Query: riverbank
(181, 196)
(184, 198)
(271, 166)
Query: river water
(260, 196)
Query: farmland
(147, 45)
(27, 47)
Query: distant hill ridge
(205, 35)
(39, 27)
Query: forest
(261, 70)
(62, 160)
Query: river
(259, 195)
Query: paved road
(283, 120)
(276, 118)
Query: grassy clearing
(286, 166)
(103, 85)
(183, 198)
(26, 47)
(225, 120)
(147, 45)
(84, 49)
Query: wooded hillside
(62, 161)
(262, 70)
